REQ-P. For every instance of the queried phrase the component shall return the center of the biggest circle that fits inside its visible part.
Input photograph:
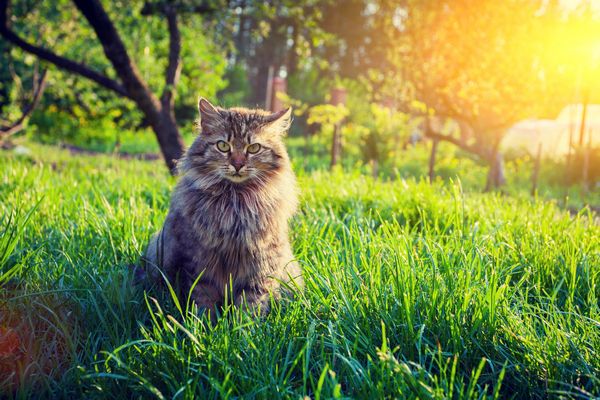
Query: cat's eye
(253, 148)
(223, 146)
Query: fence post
(269, 88)
(586, 97)
(537, 169)
(571, 128)
(586, 162)
(279, 86)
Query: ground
(411, 290)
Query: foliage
(411, 290)
(486, 64)
(370, 130)
(576, 166)
(478, 62)
(84, 107)
(298, 107)
(327, 115)
(411, 162)
(388, 127)
(10, 93)
(238, 90)
(308, 87)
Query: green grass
(412, 291)
(412, 162)
(451, 162)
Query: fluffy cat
(228, 221)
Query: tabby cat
(227, 227)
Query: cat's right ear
(209, 115)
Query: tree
(478, 62)
(133, 40)
(130, 84)
(277, 36)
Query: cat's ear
(280, 121)
(209, 115)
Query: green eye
(253, 148)
(223, 146)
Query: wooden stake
(586, 162)
(395, 156)
(432, 161)
(269, 89)
(374, 169)
(537, 169)
(278, 85)
(586, 96)
(335, 146)
(571, 127)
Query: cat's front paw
(256, 304)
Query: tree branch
(173, 71)
(454, 111)
(457, 142)
(157, 8)
(27, 109)
(115, 51)
(46, 55)
(163, 123)
(15, 77)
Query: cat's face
(238, 145)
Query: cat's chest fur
(230, 220)
(227, 234)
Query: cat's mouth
(237, 177)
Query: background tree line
(483, 65)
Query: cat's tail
(139, 274)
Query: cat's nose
(237, 162)
(238, 165)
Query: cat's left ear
(209, 115)
(280, 121)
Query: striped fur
(228, 227)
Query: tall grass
(411, 291)
(12, 225)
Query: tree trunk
(169, 139)
(159, 113)
(293, 55)
(240, 39)
(496, 174)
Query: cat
(227, 227)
